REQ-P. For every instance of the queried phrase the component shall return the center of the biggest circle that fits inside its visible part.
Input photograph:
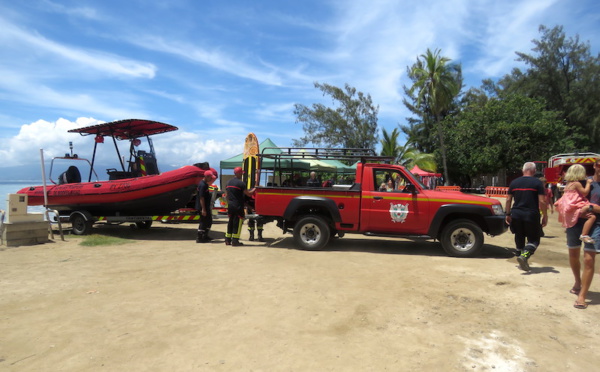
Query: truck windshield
(394, 180)
(421, 184)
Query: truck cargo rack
(320, 153)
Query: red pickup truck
(408, 209)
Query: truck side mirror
(410, 188)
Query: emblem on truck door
(398, 212)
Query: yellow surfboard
(251, 164)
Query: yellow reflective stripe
(388, 197)
(142, 166)
(239, 230)
(448, 201)
(176, 218)
(311, 194)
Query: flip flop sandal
(575, 291)
(580, 306)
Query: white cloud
(25, 41)
(52, 137)
(19, 88)
(213, 58)
(173, 149)
(183, 148)
(79, 12)
(282, 112)
(511, 28)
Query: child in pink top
(573, 204)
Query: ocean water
(11, 187)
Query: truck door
(389, 208)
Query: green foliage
(405, 155)
(550, 107)
(420, 127)
(389, 143)
(411, 157)
(96, 240)
(504, 134)
(352, 124)
(436, 82)
(563, 72)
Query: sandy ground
(161, 302)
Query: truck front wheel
(462, 238)
(311, 233)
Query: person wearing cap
(203, 202)
(236, 190)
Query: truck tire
(80, 225)
(143, 224)
(462, 238)
(311, 233)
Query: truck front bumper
(496, 225)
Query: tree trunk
(442, 150)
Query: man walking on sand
(524, 216)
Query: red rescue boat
(134, 188)
(154, 194)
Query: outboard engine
(71, 175)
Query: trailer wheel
(462, 238)
(311, 233)
(80, 225)
(144, 224)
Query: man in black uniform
(236, 189)
(203, 204)
(524, 216)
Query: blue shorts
(574, 232)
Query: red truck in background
(558, 165)
(317, 214)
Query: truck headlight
(498, 210)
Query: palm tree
(411, 157)
(406, 155)
(389, 143)
(437, 83)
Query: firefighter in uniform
(204, 207)
(236, 192)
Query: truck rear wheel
(462, 238)
(311, 233)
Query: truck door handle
(378, 197)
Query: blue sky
(220, 69)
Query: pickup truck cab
(406, 209)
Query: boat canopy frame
(124, 130)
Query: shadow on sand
(391, 246)
(350, 243)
